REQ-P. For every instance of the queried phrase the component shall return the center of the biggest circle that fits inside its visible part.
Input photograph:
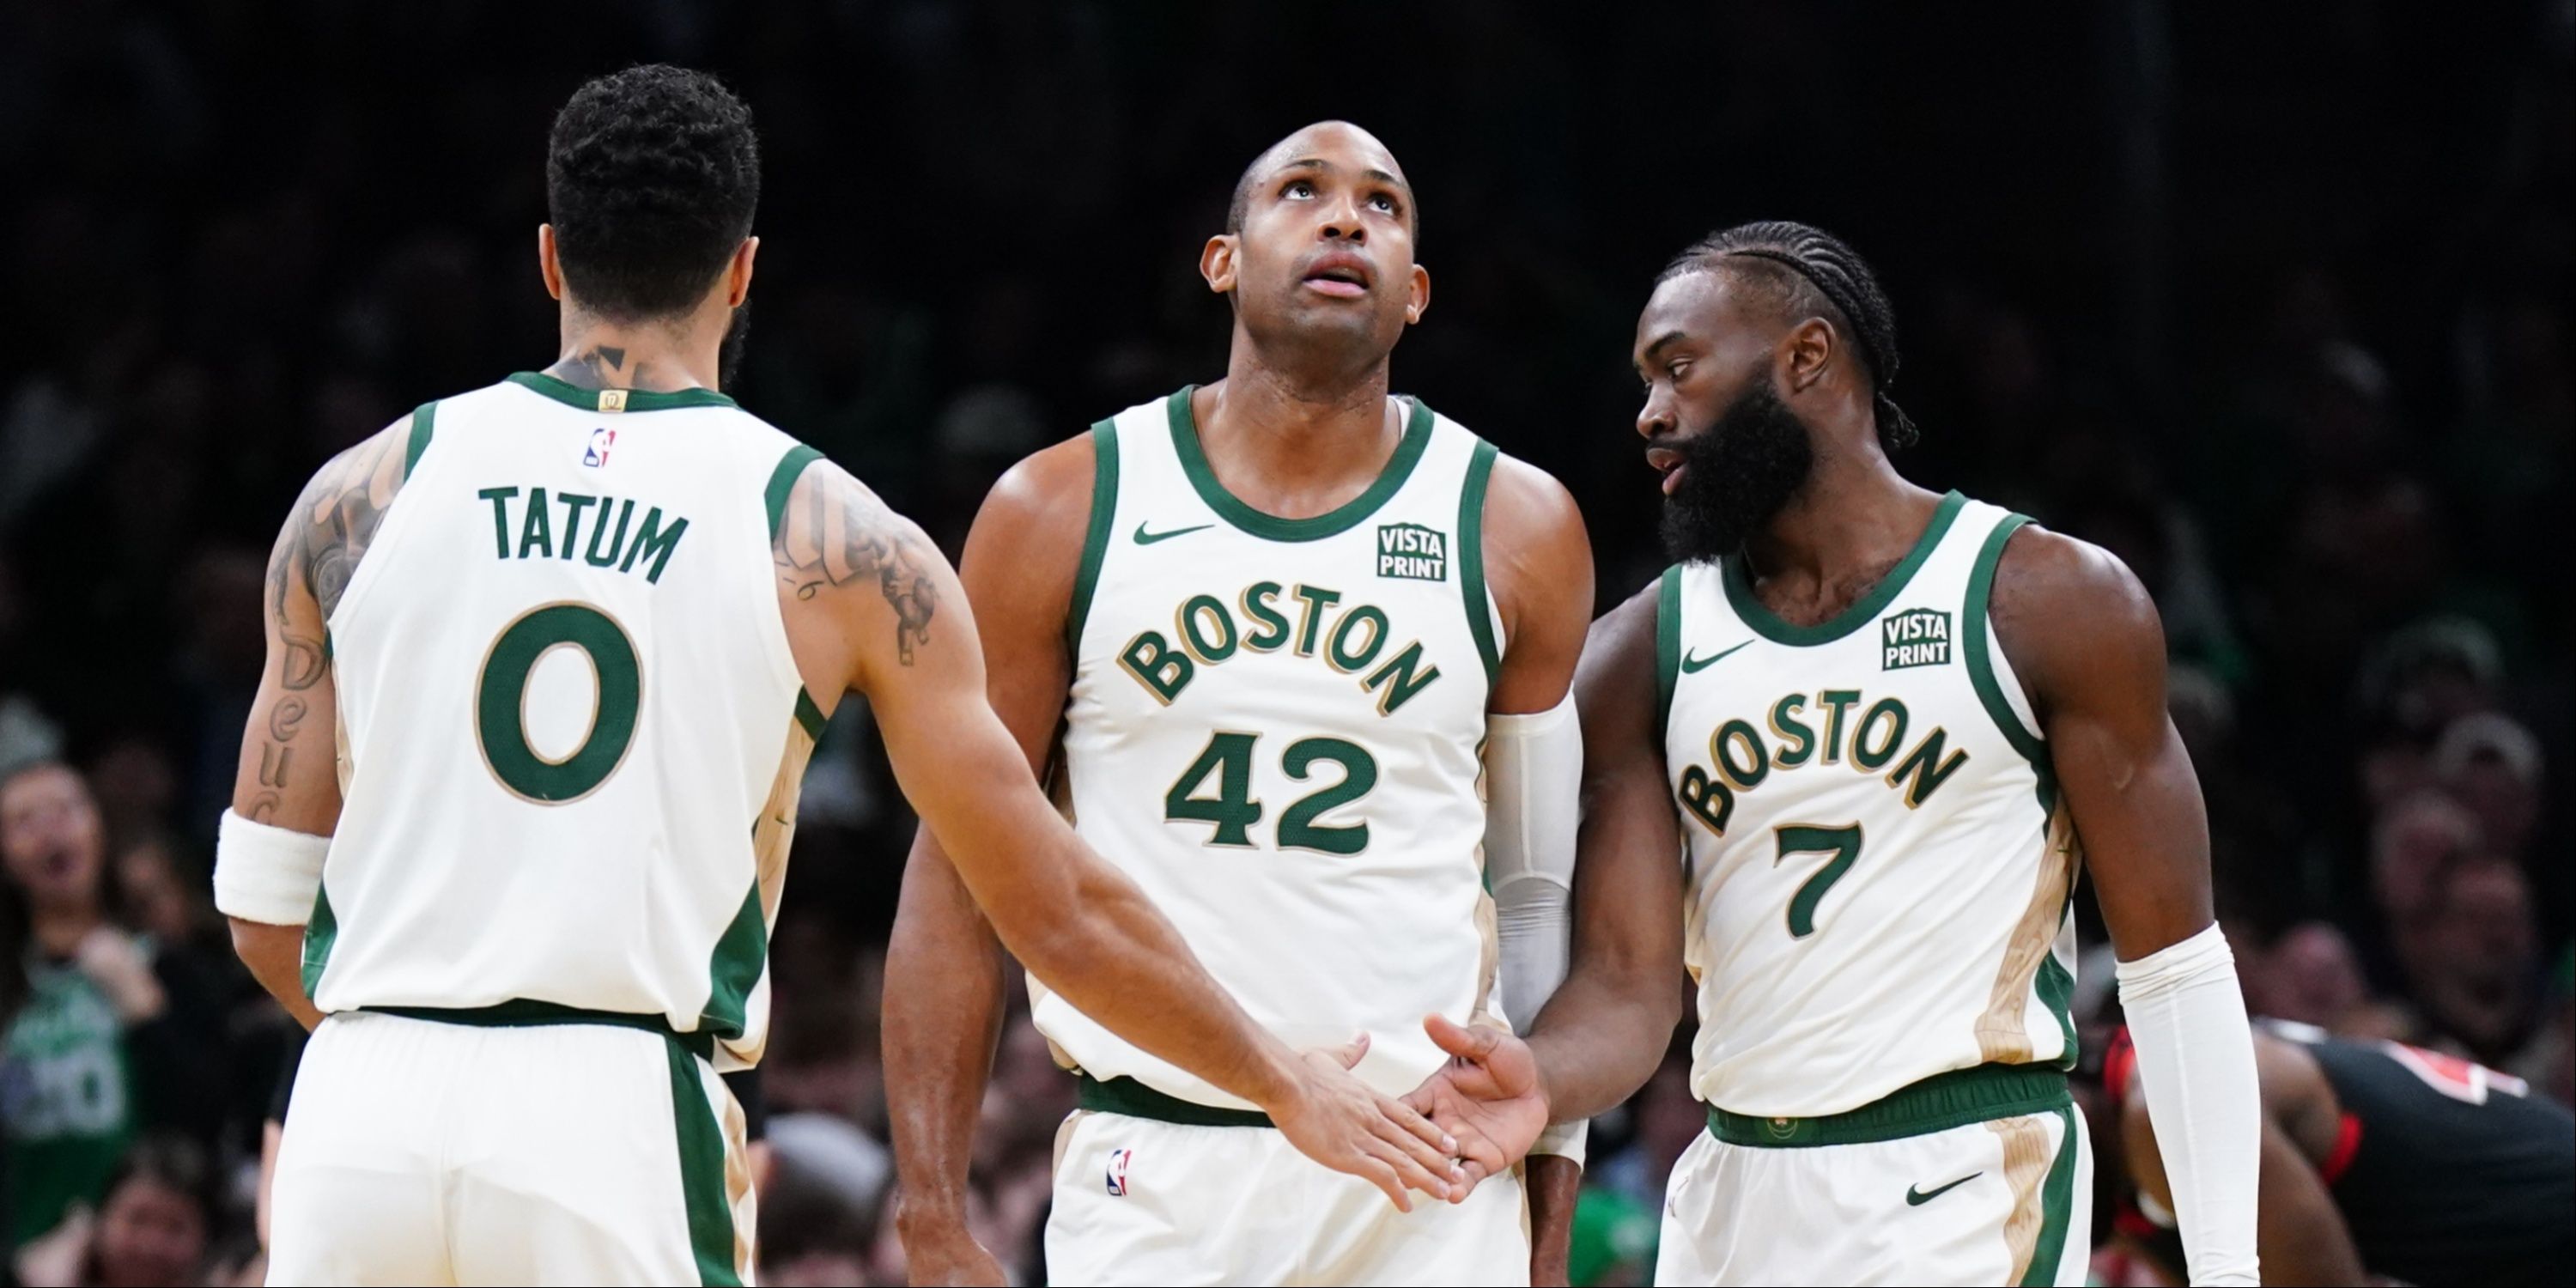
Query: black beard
(1739, 472)
(729, 352)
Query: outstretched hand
(1337, 1120)
(1487, 1098)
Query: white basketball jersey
(571, 731)
(1879, 874)
(1274, 729)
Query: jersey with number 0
(1274, 728)
(571, 731)
(1878, 870)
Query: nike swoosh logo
(1917, 1198)
(1695, 665)
(1144, 538)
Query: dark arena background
(2272, 301)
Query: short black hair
(1809, 272)
(652, 176)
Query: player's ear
(1417, 295)
(1804, 351)
(738, 273)
(1216, 262)
(547, 267)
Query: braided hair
(652, 176)
(1810, 273)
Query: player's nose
(1342, 222)
(1655, 418)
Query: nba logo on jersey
(1915, 637)
(1118, 1160)
(601, 439)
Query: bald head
(1308, 148)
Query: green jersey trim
(1136, 1100)
(320, 931)
(2056, 988)
(529, 1013)
(1270, 527)
(1095, 539)
(423, 421)
(734, 968)
(782, 482)
(1767, 624)
(1668, 644)
(2056, 1205)
(1981, 664)
(702, 1172)
(633, 400)
(1980, 1093)
(809, 716)
(1471, 558)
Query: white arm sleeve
(1533, 785)
(2196, 1060)
(266, 874)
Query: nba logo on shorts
(1118, 1160)
(601, 439)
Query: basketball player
(1276, 617)
(1886, 724)
(2379, 1159)
(545, 662)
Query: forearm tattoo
(325, 536)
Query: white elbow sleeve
(266, 874)
(1533, 785)
(2196, 1063)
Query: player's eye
(1298, 188)
(1676, 367)
(1382, 202)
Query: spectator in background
(2310, 975)
(2491, 766)
(152, 1229)
(99, 1040)
(2473, 962)
(2413, 842)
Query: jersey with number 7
(1879, 871)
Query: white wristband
(267, 874)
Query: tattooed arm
(288, 774)
(872, 606)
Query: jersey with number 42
(1274, 729)
(1879, 867)
(571, 731)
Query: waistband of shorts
(1136, 1100)
(526, 1013)
(1957, 1098)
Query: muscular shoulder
(336, 517)
(1528, 512)
(1625, 636)
(1615, 686)
(1538, 559)
(1538, 563)
(1047, 494)
(2070, 616)
(840, 547)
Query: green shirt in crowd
(66, 1098)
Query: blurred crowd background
(2273, 301)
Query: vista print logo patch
(1915, 637)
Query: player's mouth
(1667, 462)
(1340, 274)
